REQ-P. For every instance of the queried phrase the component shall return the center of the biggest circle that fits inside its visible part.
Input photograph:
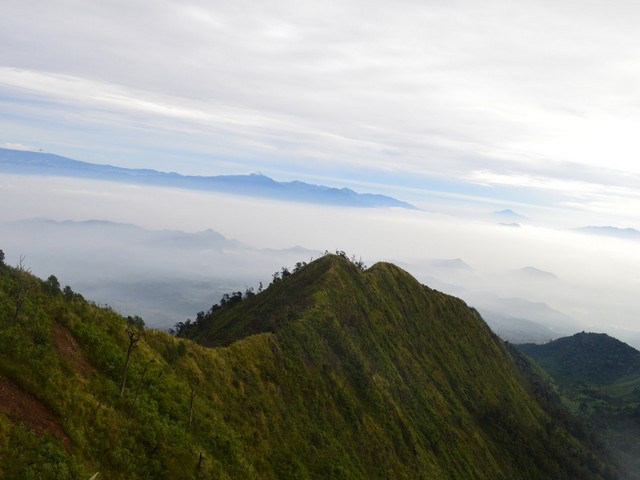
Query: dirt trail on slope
(69, 350)
(23, 408)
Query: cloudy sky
(526, 103)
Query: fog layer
(562, 280)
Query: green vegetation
(332, 372)
(599, 380)
(593, 358)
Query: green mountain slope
(600, 380)
(331, 372)
(586, 357)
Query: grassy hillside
(331, 372)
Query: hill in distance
(331, 372)
(533, 274)
(594, 358)
(255, 185)
(517, 330)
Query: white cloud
(530, 90)
(18, 146)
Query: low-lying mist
(163, 264)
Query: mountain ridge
(338, 372)
(355, 338)
(39, 163)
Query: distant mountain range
(163, 275)
(519, 320)
(609, 231)
(257, 185)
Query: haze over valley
(167, 253)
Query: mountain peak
(533, 273)
(507, 212)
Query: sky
(462, 108)
(531, 103)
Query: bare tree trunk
(135, 331)
(22, 296)
(193, 396)
(200, 459)
(132, 344)
(140, 385)
(21, 290)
